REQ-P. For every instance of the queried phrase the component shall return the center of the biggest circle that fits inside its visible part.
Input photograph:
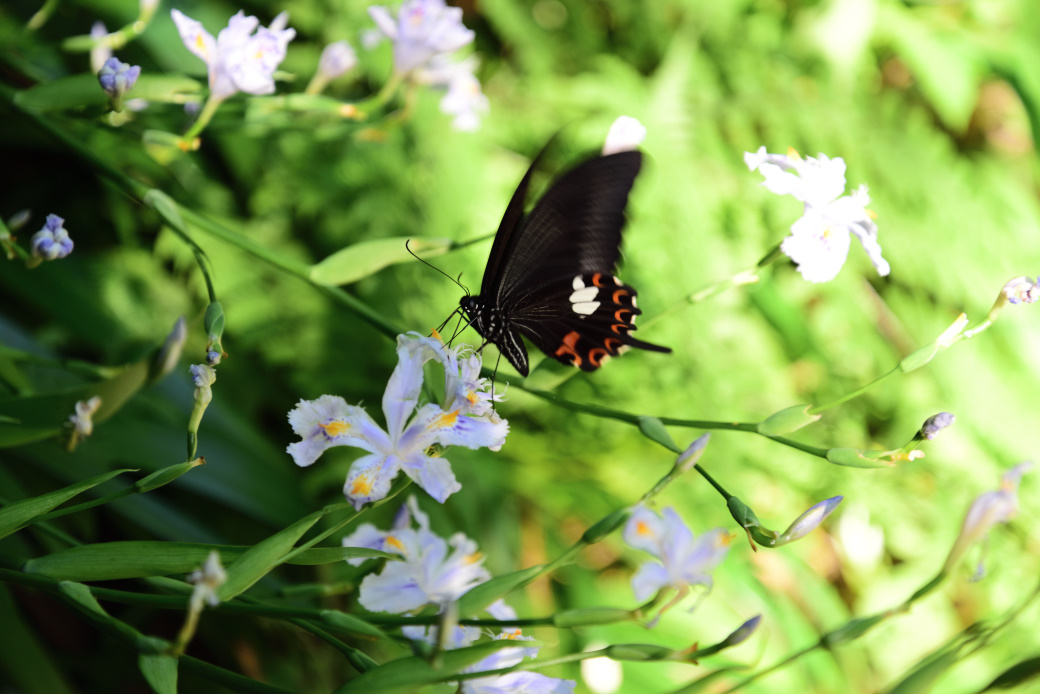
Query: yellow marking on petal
(793, 153)
(871, 213)
(472, 397)
(446, 420)
(438, 336)
(643, 529)
(362, 486)
(392, 541)
(473, 558)
(725, 540)
(511, 635)
(336, 427)
(199, 42)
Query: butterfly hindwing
(585, 323)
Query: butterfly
(550, 275)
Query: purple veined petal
(394, 590)
(238, 31)
(434, 475)
(501, 611)
(384, 20)
(703, 556)
(329, 421)
(366, 536)
(370, 478)
(196, 39)
(513, 683)
(645, 530)
(402, 390)
(452, 429)
(678, 541)
(648, 579)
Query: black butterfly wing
(574, 229)
(582, 322)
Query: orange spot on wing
(618, 294)
(597, 280)
(569, 341)
(619, 318)
(596, 356)
(618, 327)
(606, 343)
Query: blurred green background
(933, 105)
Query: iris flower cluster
(414, 434)
(435, 571)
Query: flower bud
(807, 522)
(52, 241)
(117, 78)
(936, 423)
(336, 59)
(691, 455)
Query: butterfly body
(550, 274)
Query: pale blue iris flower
(243, 56)
(411, 431)
(421, 30)
(433, 571)
(683, 560)
(820, 239)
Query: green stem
(42, 15)
(854, 394)
(205, 116)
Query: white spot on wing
(585, 308)
(578, 283)
(634, 304)
(586, 294)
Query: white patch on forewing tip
(585, 308)
(634, 304)
(578, 283)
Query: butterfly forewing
(550, 274)
(574, 229)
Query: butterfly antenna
(412, 253)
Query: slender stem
(854, 394)
(205, 116)
(86, 504)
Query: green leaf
(923, 678)
(348, 622)
(214, 322)
(17, 515)
(108, 561)
(171, 89)
(654, 430)
(160, 671)
(369, 257)
(477, 599)
(63, 93)
(787, 420)
(166, 475)
(410, 674)
(1015, 675)
(854, 457)
(44, 415)
(259, 560)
